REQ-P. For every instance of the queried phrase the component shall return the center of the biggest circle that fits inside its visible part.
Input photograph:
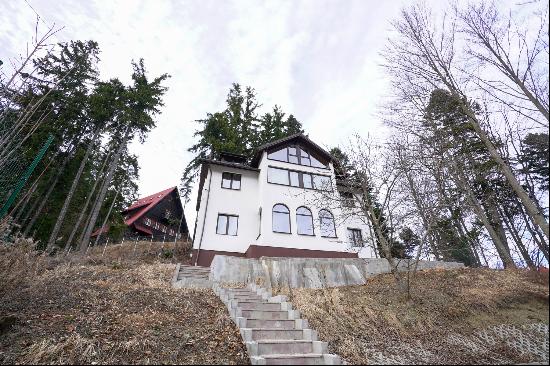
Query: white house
(271, 207)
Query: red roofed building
(158, 214)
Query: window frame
(312, 221)
(299, 150)
(289, 219)
(333, 224)
(354, 231)
(227, 224)
(232, 180)
(300, 179)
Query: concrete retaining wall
(306, 272)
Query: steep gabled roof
(145, 204)
(298, 137)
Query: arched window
(281, 219)
(304, 221)
(328, 228)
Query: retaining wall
(307, 272)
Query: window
(295, 155)
(231, 180)
(294, 179)
(281, 219)
(308, 181)
(304, 221)
(227, 224)
(321, 182)
(298, 179)
(280, 155)
(328, 228)
(277, 176)
(355, 237)
(317, 164)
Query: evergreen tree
(534, 156)
(238, 129)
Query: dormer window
(295, 155)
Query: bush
(167, 253)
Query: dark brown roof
(292, 138)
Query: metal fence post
(25, 177)
(135, 244)
(105, 247)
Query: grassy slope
(105, 310)
(362, 323)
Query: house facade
(159, 215)
(278, 206)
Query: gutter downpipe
(204, 218)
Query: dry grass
(363, 321)
(113, 309)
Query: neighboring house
(157, 215)
(271, 206)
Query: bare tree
(518, 52)
(420, 59)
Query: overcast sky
(316, 59)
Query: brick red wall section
(206, 256)
(257, 251)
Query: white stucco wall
(294, 197)
(243, 202)
(256, 193)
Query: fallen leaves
(100, 313)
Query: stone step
(240, 291)
(192, 282)
(194, 275)
(245, 297)
(265, 314)
(265, 306)
(277, 324)
(285, 346)
(290, 359)
(189, 273)
(193, 268)
(256, 334)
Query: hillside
(462, 316)
(119, 308)
(109, 310)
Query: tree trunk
(369, 212)
(509, 222)
(537, 236)
(85, 208)
(103, 192)
(94, 205)
(63, 212)
(531, 207)
(501, 249)
(107, 217)
(421, 212)
(492, 213)
(29, 226)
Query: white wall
(256, 192)
(243, 202)
(294, 197)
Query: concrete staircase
(274, 334)
(191, 276)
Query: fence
(137, 247)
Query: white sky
(316, 59)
